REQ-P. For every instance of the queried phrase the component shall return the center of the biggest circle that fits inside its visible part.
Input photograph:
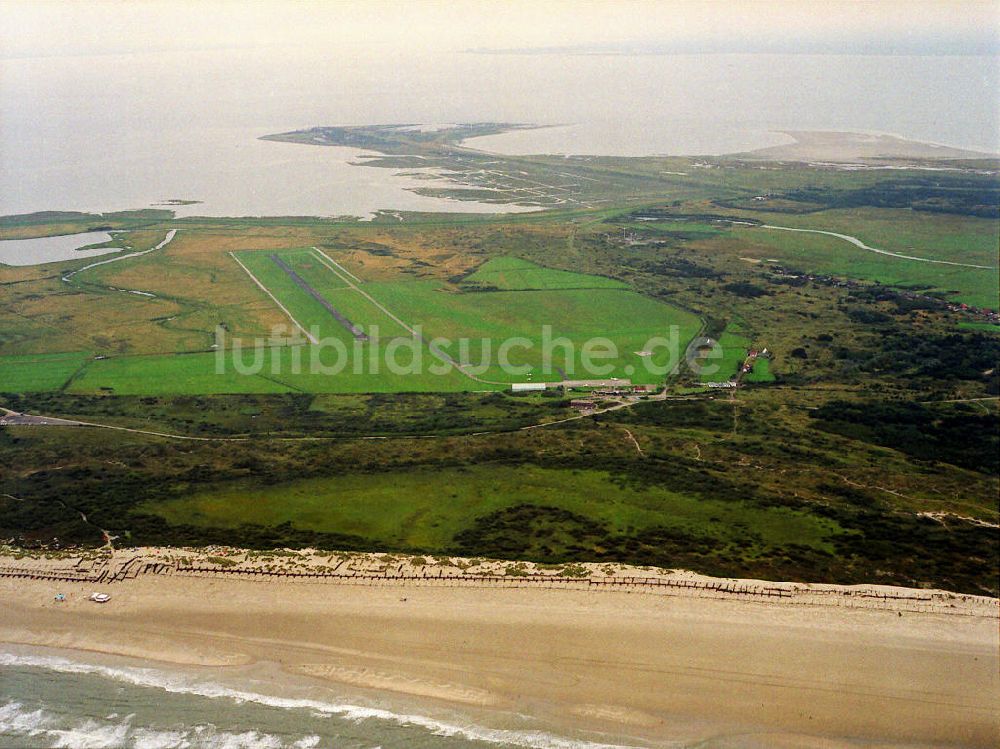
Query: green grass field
(484, 320)
(426, 509)
(963, 239)
(761, 371)
(180, 374)
(983, 327)
(951, 238)
(280, 370)
(310, 265)
(304, 307)
(628, 320)
(513, 274)
(38, 372)
(734, 351)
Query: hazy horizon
(107, 106)
(45, 28)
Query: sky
(60, 27)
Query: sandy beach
(821, 145)
(649, 667)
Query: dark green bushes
(955, 435)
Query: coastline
(852, 145)
(664, 665)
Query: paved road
(299, 281)
(13, 418)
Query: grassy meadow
(574, 307)
(39, 372)
(514, 274)
(954, 239)
(488, 319)
(732, 347)
(428, 510)
(863, 450)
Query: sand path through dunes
(658, 667)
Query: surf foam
(181, 684)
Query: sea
(114, 131)
(52, 249)
(51, 699)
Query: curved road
(15, 418)
(858, 243)
(170, 235)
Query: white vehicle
(100, 597)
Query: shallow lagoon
(53, 249)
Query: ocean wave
(18, 721)
(182, 684)
(15, 719)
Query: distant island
(823, 145)
(397, 138)
(808, 145)
(177, 201)
(440, 154)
